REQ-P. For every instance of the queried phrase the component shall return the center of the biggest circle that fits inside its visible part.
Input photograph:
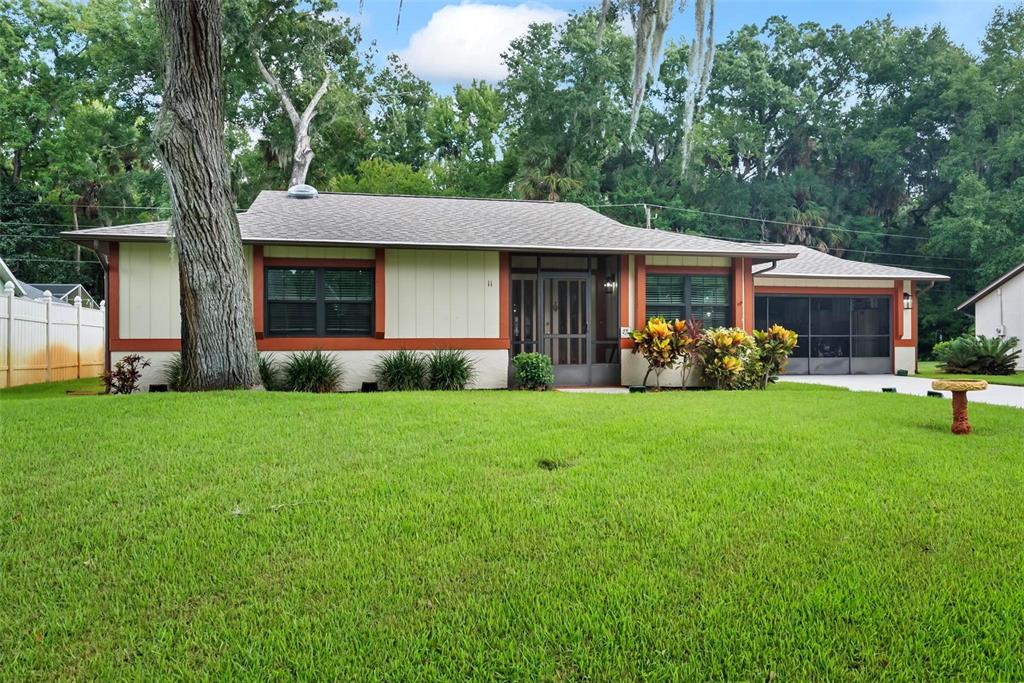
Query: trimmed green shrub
(979, 355)
(402, 370)
(269, 373)
(450, 370)
(173, 371)
(313, 371)
(533, 370)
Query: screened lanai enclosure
(839, 335)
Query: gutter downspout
(105, 266)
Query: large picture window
(319, 302)
(704, 297)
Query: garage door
(839, 335)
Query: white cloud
(463, 42)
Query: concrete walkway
(919, 386)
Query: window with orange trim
(319, 302)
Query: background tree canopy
(878, 143)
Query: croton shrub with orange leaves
(774, 347)
(657, 343)
(725, 353)
(728, 357)
(733, 359)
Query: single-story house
(358, 275)
(999, 308)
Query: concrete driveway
(919, 386)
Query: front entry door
(566, 332)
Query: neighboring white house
(999, 308)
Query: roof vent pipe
(302, 192)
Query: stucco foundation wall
(491, 367)
(906, 358)
(634, 367)
(1003, 309)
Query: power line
(88, 206)
(47, 260)
(32, 237)
(904, 265)
(760, 220)
(893, 253)
(59, 225)
(740, 239)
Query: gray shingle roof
(814, 263)
(404, 221)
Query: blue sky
(456, 40)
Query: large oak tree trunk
(218, 345)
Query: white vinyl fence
(47, 341)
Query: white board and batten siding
(440, 293)
(46, 341)
(683, 261)
(274, 251)
(429, 294)
(150, 303)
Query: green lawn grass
(931, 370)
(803, 532)
(52, 389)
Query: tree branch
(310, 112)
(276, 86)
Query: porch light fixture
(908, 302)
(610, 285)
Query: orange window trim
(738, 287)
(331, 344)
(114, 285)
(913, 311)
(257, 290)
(319, 262)
(379, 279)
(624, 291)
(504, 295)
(373, 344)
(641, 291)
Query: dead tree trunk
(303, 154)
(218, 345)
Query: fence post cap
(78, 300)
(103, 304)
(47, 296)
(8, 287)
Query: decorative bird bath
(959, 388)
